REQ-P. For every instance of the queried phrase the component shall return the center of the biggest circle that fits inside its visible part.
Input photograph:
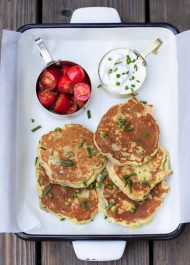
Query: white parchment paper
(8, 123)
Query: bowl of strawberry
(63, 88)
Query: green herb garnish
(85, 183)
(89, 114)
(46, 190)
(36, 160)
(99, 86)
(136, 67)
(145, 134)
(109, 59)
(133, 209)
(164, 164)
(103, 176)
(138, 81)
(68, 163)
(43, 148)
(109, 206)
(143, 102)
(126, 87)
(105, 134)
(115, 69)
(129, 181)
(117, 63)
(32, 120)
(118, 75)
(62, 219)
(107, 185)
(105, 217)
(92, 185)
(84, 205)
(121, 122)
(117, 83)
(74, 194)
(128, 128)
(90, 151)
(36, 128)
(127, 73)
(128, 59)
(58, 129)
(133, 60)
(110, 71)
(132, 78)
(133, 85)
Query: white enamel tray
(86, 46)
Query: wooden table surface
(13, 14)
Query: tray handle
(97, 250)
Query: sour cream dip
(122, 71)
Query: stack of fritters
(68, 165)
(128, 135)
(130, 188)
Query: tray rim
(37, 237)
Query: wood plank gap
(39, 7)
(38, 253)
(147, 11)
(151, 253)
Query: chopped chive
(105, 217)
(133, 60)
(90, 151)
(36, 160)
(109, 206)
(74, 194)
(107, 185)
(126, 87)
(129, 181)
(121, 122)
(88, 114)
(118, 75)
(84, 205)
(110, 71)
(32, 120)
(105, 134)
(132, 78)
(109, 59)
(133, 85)
(46, 190)
(133, 209)
(164, 164)
(92, 185)
(115, 210)
(117, 63)
(68, 163)
(62, 219)
(128, 59)
(145, 134)
(136, 67)
(138, 81)
(58, 129)
(85, 183)
(36, 128)
(115, 69)
(132, 90)
(103, 176)
(128, 128)
(100, 85)
(117, 83)
(123, 73)
(43, 148)
(127, 73)
(143, 102)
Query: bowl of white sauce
(122, 71)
